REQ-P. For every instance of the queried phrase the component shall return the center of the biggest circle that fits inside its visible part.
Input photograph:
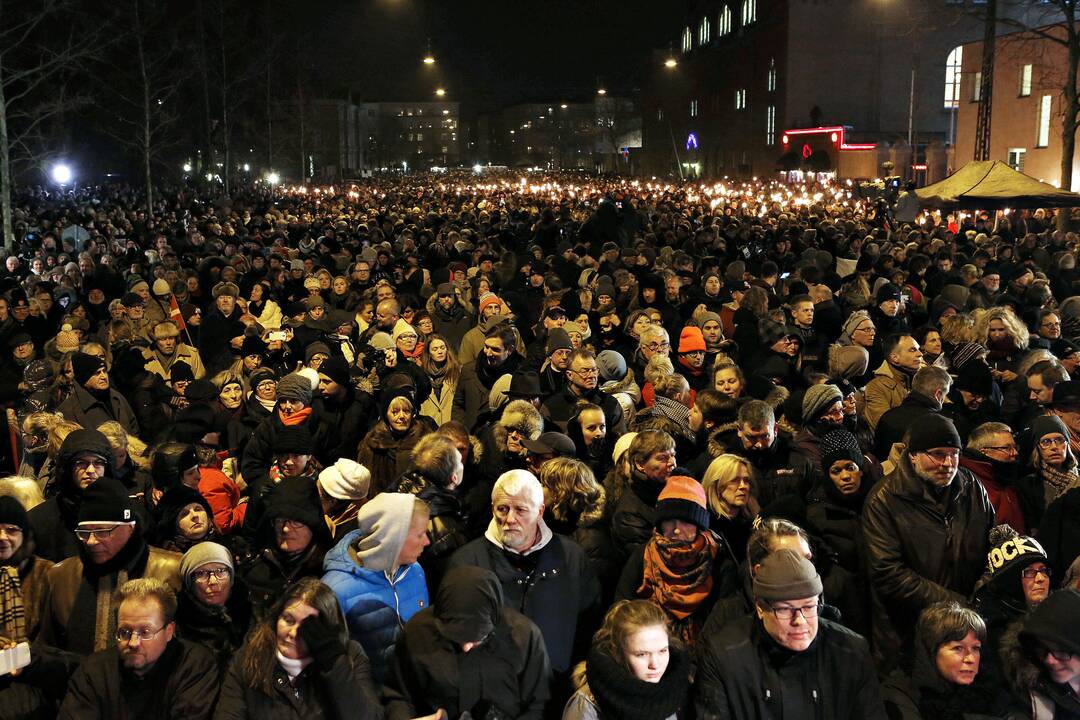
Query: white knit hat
(311, 375)
(346, 480)
(622, 445)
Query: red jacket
(1004, 498)
(223, 496)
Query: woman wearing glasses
(1043, 662)
(1054, 465)
(212, 609)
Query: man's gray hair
(517, 482)
(931, 379)
(653, 332)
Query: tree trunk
(204, 66)
(5, 172)
(1071, 106)
(147, 139)
(224, 101)
(300, 113)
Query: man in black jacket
(222, 331)
(927, 527)
(149, 672)
(582, 385)
(929, 388)
(785, 661)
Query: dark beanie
(252, 345)
(12, 513)
(297, 498)
(558, 339)
(933, 431)
(1047, 425)
(840, 445)
(976, 378)
(786, 575)
(84, 366)
(682, 498)
(294, 387)
(181, 372)
(1054, 620)
(293, 440)
(1010, 553)
(336, 369)
(106, 501)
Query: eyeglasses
(517, 431)
(202, 576)
(127, 634)
(1049, 442)
(657, 347)
(82, 465)
(99, 534)
(943, 456)
(695, 352)
(1051, 325)
(1008, 449)
(1030, 573)
(787, 613)
(586, 372)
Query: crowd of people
(492, 447)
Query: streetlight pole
(986, 88)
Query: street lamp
(61, 174)
(670, 62)
(429, 57)
(273, 178)
(601, 91)
(564, 106)
(440, 92)
(186, 167)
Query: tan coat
(886, 390)
(183, 352)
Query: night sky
(490, 52)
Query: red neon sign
(836, 134)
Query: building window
(659, 114)
(740, 99)
(687, 40)
(419, 137)
(1025, 80)
(771, 81)
(770, 125)
(723, 23)
(693, 108)
(1016, 158)
(749, 11)
(976, 88)
(1045, 106)
(704, 31)
(952, 77)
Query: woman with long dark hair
(298, 662)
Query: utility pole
(986, 88)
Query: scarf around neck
(619, 694)
(297, 418)
(678, 576)
(12, 612)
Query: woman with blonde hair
(1006, 337)
(440, 363)
(634, 671)
(574, 504)
(729, 488)
(36, 428)
(130, 464)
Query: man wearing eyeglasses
(926, 527)
(149, 672)
(80, 616)
(582, 384)
(784, 660)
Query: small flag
(175, 315)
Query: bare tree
(142, 81)
(40, 42)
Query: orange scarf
(678, 576)
(416, 355)
(297, 418)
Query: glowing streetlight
(671, 62)
(601, 91)
(247, 167)
(429, 57)
(61, 174)
(273, 178)
(440, 92)
(564, 106)
(187, 167)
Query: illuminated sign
(835, 133)
(691, 142)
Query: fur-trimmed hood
(517, 413)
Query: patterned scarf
(12, 613)
(678, 576)
(1057, 482)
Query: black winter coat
(447, 524)
(921, 551)
(259, 453)
(743, 675)
(215, 337)
(896, 422)
(634, 518)
(1059, 530)
(344, 692)
(555, 587)
(220, 630)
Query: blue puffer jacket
(376, 608)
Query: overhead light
(273, 178)
(187, 167)
(61, 174)
(564, 106)
(440, 92)
(601, 91)
(670, 62)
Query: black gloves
(323, 643)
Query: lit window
(723, 22)
(771, 82)
(770, 125)
(693, 108)
(1025, 80)
(976, 87)
(749, 11)
(687, 40)
(1016, 158)
(660, 114)
(952, 77)
(1045, 106)
(740, 99)
(704, 31)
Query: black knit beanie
(293, 440)
(84, 366)
(106, 501)
(12, 513)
